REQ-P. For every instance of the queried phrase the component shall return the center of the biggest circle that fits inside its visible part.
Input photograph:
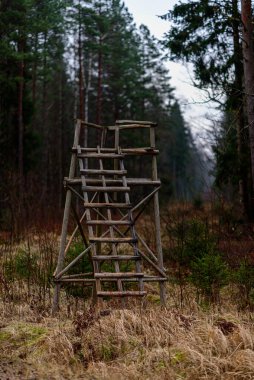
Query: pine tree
(207, 34)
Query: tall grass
(205, 332)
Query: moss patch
(19, 337)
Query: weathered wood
(124, 151)
(100, 155)
(109, 222)
(96, 180)
(78, 275)
(74, 233)
(127, 293)
(90, 229)
(145, 122)
(157, 220)
(140, 151)
(130, 181)
(117, 275)
(93, 125)
(148, 249)
(132, 229)
(128, 126)
(94, 150)
(90, 281)
(76, 228)
(67, 207)
(112, 240)
(58, 275)
(144, 279)
(104, 172)
(79, 225)
(105, 189)
(155, 266)
(106, 205)
(117, 257)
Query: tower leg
(67, 207)
(60, 261)
(157, 220)
(159, 247)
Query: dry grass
(110, 343)
(184, 341)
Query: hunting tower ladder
(106, 219)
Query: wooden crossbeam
(97, 184)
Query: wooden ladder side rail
(90, 228)
(111, 229)
(152, 263)
(132, 228)
(64, 231)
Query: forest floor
(189, 339)
(131, 343)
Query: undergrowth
(205, 332)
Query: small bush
(22, 266)
(209, 274)
(243, 277)
(196, 258)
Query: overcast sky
(146, 12)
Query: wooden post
(67, 207)
(157, 218)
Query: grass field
(197, 336)
(132, 343)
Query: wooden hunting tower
(107, 209)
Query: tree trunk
(34, 71)
(248, 55)
(238, 100)
(45, 130)
(20, 123)
(99, 85)
(60, 137)
(81, 82)
(87, 90)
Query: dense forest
(63, 60)
(111, 273)
(217, 38)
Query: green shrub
(196, 258)
(209, 274)
(243, 277)
(22, 266)
(84, 265)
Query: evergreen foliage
(62, 60)
(208, 35)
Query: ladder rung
(103, 171)
(105, 188)
(128, 293)
(109, 222)
(121, 275)
(107, 205)
(115, 257)
(140, 151)
(111, 240)
(100, 155)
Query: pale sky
(197, 115)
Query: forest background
(62, 60)
(65, 60)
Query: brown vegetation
(198, 335)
